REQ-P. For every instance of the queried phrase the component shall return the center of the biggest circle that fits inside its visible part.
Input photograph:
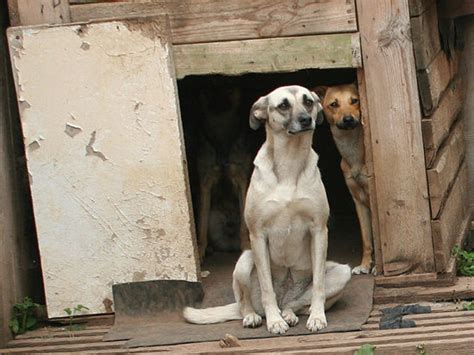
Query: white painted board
(105, 154)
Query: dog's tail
(213, 314)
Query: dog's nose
(348, 119)
(305, 120)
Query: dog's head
(290, 109)
(340, 105)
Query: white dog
(286, 213)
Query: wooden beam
(434, 80)
(267, 55)
(370, 170)
(462, 289)
(397, 149)
(453, 217)
(12, 251)
(13, 12)
(436, 128)
(425, 35)
(417, 7)
(43, 12)
(198, 21)
(441, 176)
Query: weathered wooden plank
(437, 127)
(15, 253)
(434, 80)
(462, 289)
(417, 7)
(449, 225)
(461, 319)
(441, 175)
(425, 36)
(194, 21)
(400, 185)
(405, 280)
(370, 170)
(267, 55)
(13, 12)
(43, 12)
(65, 340)
(427, 317)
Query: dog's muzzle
(348, 122)
(304, 123)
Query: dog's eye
(308, 103)
(354, 101)
(285, 105)
(334, 104)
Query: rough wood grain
(267, 55)
(436, 128)
(401, 186)
(425, 36)
(434, 80)
(462, 289)
(417, 7)
(13, 12)
(370, 170)
(451, 222)
(15, 254)
(447, 321)
(43, 12)
(441, 176)
(195, 21)
(406, 280)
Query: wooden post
(370, 170)
(397, 148)
(12, 278)
(43, 12)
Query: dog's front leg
(275, 322)
(319, 244)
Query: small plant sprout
(23, 316)
(72, 312)
(465, 261)
(468, 306)
(366, 349)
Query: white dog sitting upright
(286, 213)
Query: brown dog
(342, 111)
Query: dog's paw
(290, 317)
(316, 322)
(361, 269)
(252, 320)
(278, 326)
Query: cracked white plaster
(86, 209)
(72, 130)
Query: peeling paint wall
(103, 142)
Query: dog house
(410, 96)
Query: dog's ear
(321, 91)
(320, 116)
(258, 112)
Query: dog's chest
(289, 215)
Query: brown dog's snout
(348, 122)
(348, 119)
